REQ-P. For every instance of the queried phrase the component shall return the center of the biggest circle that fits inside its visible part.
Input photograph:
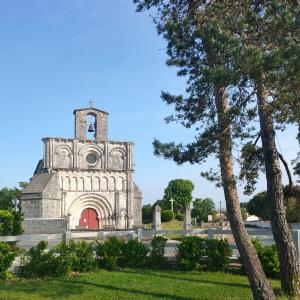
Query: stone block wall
(43, 225)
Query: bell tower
(83, 126)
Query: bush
(134, 254)
(157, 259)
(6, 222)
(78, 255)
(179, 216)
(167, 215)
(193, 248)
(110, 253)
(6, 259)
(190, 251)
(218, 254)
(37, 262)
(268, 256)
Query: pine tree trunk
(260, 286)
(289, 261)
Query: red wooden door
(89, 219)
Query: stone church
(83, 183)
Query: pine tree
(189, 32)
(265, 49)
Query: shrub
(179, 216)
(110, 253)
(193, 248)
(157, 259)
(6, 222)
(79, 255)
(167, 215)
(218, 254)
(190, 251)
(37, 262)
(134, 254)
(268, 256)
(6, 259)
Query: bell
(91, 128)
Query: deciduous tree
(180, 190)
(202, 208)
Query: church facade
(83, 183)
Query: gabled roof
(38, 183)
(91, 108)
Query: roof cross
(91, 103)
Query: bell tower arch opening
(91, 123)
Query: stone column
(117, 209)
(187, 218)
(156, 218)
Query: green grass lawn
(131, 284)
(174, 224)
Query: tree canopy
(180, 190)
(202, 208)
(259, 205)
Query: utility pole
(220, 210)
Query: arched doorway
(89, 219)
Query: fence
(142, 234)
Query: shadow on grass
(66, 287)
(47, 288)
(153, 273)
(131, 291)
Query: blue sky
(56, 55)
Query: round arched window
(91, 159)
